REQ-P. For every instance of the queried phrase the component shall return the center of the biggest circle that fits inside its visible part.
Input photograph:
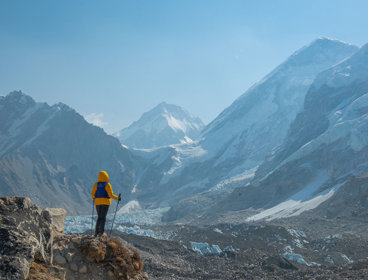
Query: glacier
(146, 217)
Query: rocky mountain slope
(237, 142)
(52, 155)
(324, 155)
(164, 125)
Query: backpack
(101, 191)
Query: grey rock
(71, 246)
(69, 257)
(25, 236)
(83, 269)
(59, 259)
(74, 267)
(58, 216)
(76, 240)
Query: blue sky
(115, 60)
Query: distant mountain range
(52, 155)
(295, 141)
(166, 124)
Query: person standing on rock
(102, 193)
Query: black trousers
(101, 220)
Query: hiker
(102, 194)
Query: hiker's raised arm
(110, 192)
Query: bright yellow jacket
(103, 177)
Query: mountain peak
(164, 106)
(62, 107)
(163, 125)
(322, 48)
(18, 96)
(322, 40)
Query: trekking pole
(93, 209)
(112, 225)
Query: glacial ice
(80, 224)
(137, 231)
(205, 249)
(296, 258)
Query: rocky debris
(170, 260)
(81, 256)
(33, 247)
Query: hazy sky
(115, 60)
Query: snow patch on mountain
(226, 184)
(131, 206)
(302, 201)
(344, 123)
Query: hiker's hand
(119, 197)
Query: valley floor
(302, 247)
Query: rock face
(25, 236)
(33, 246)
(58, 216)
(80, 257)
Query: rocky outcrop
(58, 216)
(26, 235)
(86, 257)
(33, 246)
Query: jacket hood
(103, 176)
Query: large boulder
(86, 257)
(58, 216)
(26, 234)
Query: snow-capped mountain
(323, 161)
(241, 137)
(52, 155)
(258, 121)
(164, 125)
